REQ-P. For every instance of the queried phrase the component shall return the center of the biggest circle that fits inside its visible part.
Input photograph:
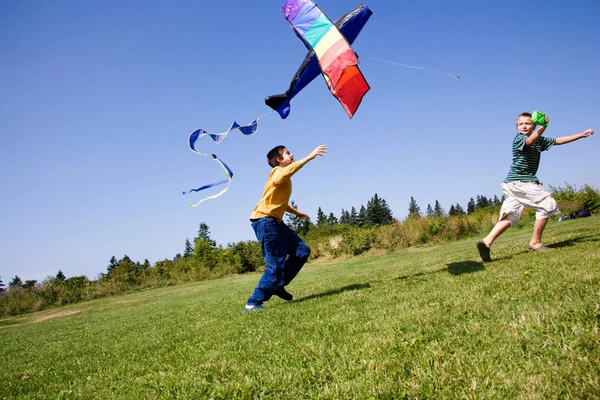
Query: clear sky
(97, 99)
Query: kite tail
(246, 130)
(229, 174)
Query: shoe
(282, 293)
(484, 251)
(541, 249)
(252, 307)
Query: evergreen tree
(321, 217)
(451, 212)
(413, 208)
(481, 203)
(16, 281)
(496, 201)
(204, 235)
(387, 216)
(353, 216)
(332, 220)
(60, 276)
(29, 284)
(1, 285)
(112, 264)
(343, 218)
(361, 219)
(471, 206)
(458, 210)
(188, 248)
(378, 212)
(430, 213)
(438, 210)
(348, 217)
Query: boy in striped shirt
(522, 188)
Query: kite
(349, 26)
(329, 54)
(338, 62)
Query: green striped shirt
(526, 159)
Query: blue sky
(97, 99)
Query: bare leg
(538, 229)
(496, 231)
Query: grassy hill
(429, 322)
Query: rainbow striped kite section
(336, 58)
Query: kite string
(265, 114)
(412, 66)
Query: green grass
(430, 322)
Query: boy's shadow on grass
(574, 241)
(356, 286)
(457, 268)
(465, 267)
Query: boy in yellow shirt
(284, 252)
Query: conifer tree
(471, 206)
(189, 249)
(321, 217)
(332, 220)
(204, 235)
(378, 212)
(429, 211)
(29, 284)
(451, 211)
(60, 276)
(112, 264)
(458, 210)
(438, 211)
(413, 208)
(344, 217)
(16, 281)
(353, 216)
(361, 219)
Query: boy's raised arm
(318, 151)
(535, 136)
(572, 138)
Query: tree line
(357, 230)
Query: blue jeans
(284, 253)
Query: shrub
(355, 241)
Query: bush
(590, 198)
(355, 241)
(569, 198)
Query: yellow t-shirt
(277, 193)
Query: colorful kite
(329, 54)
(350, 26)
(337, 61)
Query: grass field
(430, 322)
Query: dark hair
(274, 154)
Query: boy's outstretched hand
(319, 151)
(587, 133)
